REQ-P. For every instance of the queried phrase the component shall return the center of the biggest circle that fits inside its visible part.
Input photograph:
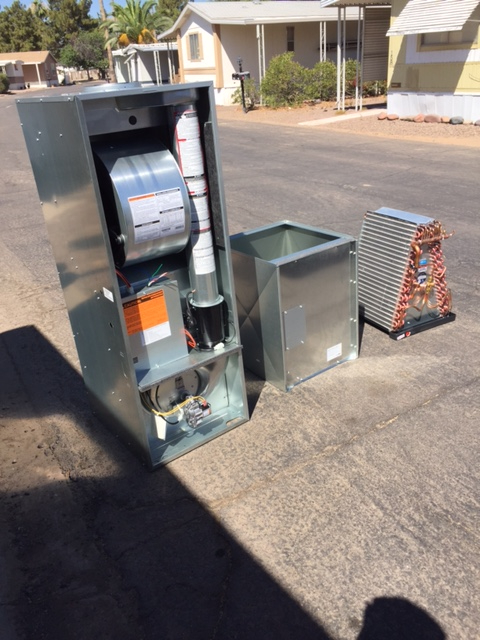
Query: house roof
(157, 46)
(433, 16)
(9, 60)
(270, 12)
(353, 3)
(27, 57)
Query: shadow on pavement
(106, 549)
(398, 619)
(97, 547)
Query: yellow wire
(175, 409)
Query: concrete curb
(341, 118)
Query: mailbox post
(242, 76)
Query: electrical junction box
(131, 189)
(296, 290)
(402, 285)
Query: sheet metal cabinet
(296, 290)
(65, 137)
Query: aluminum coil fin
(145, 200)
(383, 254)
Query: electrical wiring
(120, 275)
(177, 407)
(190, 339)
(230, 340)
(155, 277)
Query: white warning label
(156, 215)
(202, 253)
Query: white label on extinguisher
(191, 157)
(202, 253)
(187, 123)
(196, 186)
(200, 214)
(189, 146)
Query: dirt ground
(367, 122)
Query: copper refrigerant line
(416, 295)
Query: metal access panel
(131, 188)
(296, 292)
(402, 285)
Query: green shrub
(375, 88)
(4, 83)
(322, 81)
(350, 77)
(252, 94)
(285, 82)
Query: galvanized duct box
(296, 289)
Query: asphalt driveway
(347, 509)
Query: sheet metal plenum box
(296, 290)
(120, 364)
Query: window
(290, 38)
(194, 47)
(466, 36)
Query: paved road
(347, 509)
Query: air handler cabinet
(131, 189)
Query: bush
(375, 88)
(350, 77)
(4, 83)
(322, 81)
(285, 82)
(252, 94)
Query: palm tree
(136, 23)
(108, 47)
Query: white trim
(414, 56)
(405, 104)
(432, 16)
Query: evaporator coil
(402, 285)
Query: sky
(94, 11)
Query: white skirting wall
(410, 104)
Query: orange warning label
(145, 312)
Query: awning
(432, 16)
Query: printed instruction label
(148, 316)
(200, 214)
(202, 253)
(196, 186)
(334, 352)
(157, 215)
(189, 146)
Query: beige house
(12, 68)
(212, 36)
(31, 68)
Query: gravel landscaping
(367, 123)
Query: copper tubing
(414, 295)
